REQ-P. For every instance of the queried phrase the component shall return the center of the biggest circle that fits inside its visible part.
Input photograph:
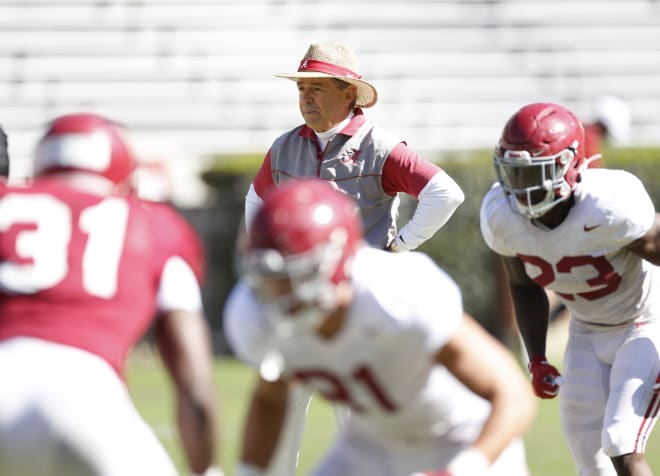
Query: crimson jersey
(87, 270)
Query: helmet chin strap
(589, 160)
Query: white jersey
(583, 260)
(380, 365)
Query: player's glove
(469, 462)
(546, 379)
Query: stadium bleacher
(193, 78)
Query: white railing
(200, 73)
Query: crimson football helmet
(299, 249)
(86, 142)
(539, 157)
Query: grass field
(546, 451)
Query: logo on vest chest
(352, 157)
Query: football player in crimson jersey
(426, 387)
(592, 236)
(84, 267)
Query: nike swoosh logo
(589, 228)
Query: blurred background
(193, 82)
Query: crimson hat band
(308, 65)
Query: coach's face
(323, 102)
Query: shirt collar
(349, 129)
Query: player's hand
(392, 246)
(546, 379)
(211, 471)
(469, 462)
(397, 245)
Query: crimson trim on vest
(358, 120)
(306, 132)
(329, 68)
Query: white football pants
(66, 412)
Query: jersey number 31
(43, 240)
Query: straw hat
(334, 60)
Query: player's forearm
(197, 429)
(185, 347)
(488, 369)
(648, 246)
(503, 383)
(531, 308)
(262, 431)
(513, 411)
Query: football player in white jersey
(592, 237)
(382, 334)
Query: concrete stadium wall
(193, 78)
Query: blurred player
(84, 267)
(610, 121)
(4, 155)
(381, 334)
(593, 237)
